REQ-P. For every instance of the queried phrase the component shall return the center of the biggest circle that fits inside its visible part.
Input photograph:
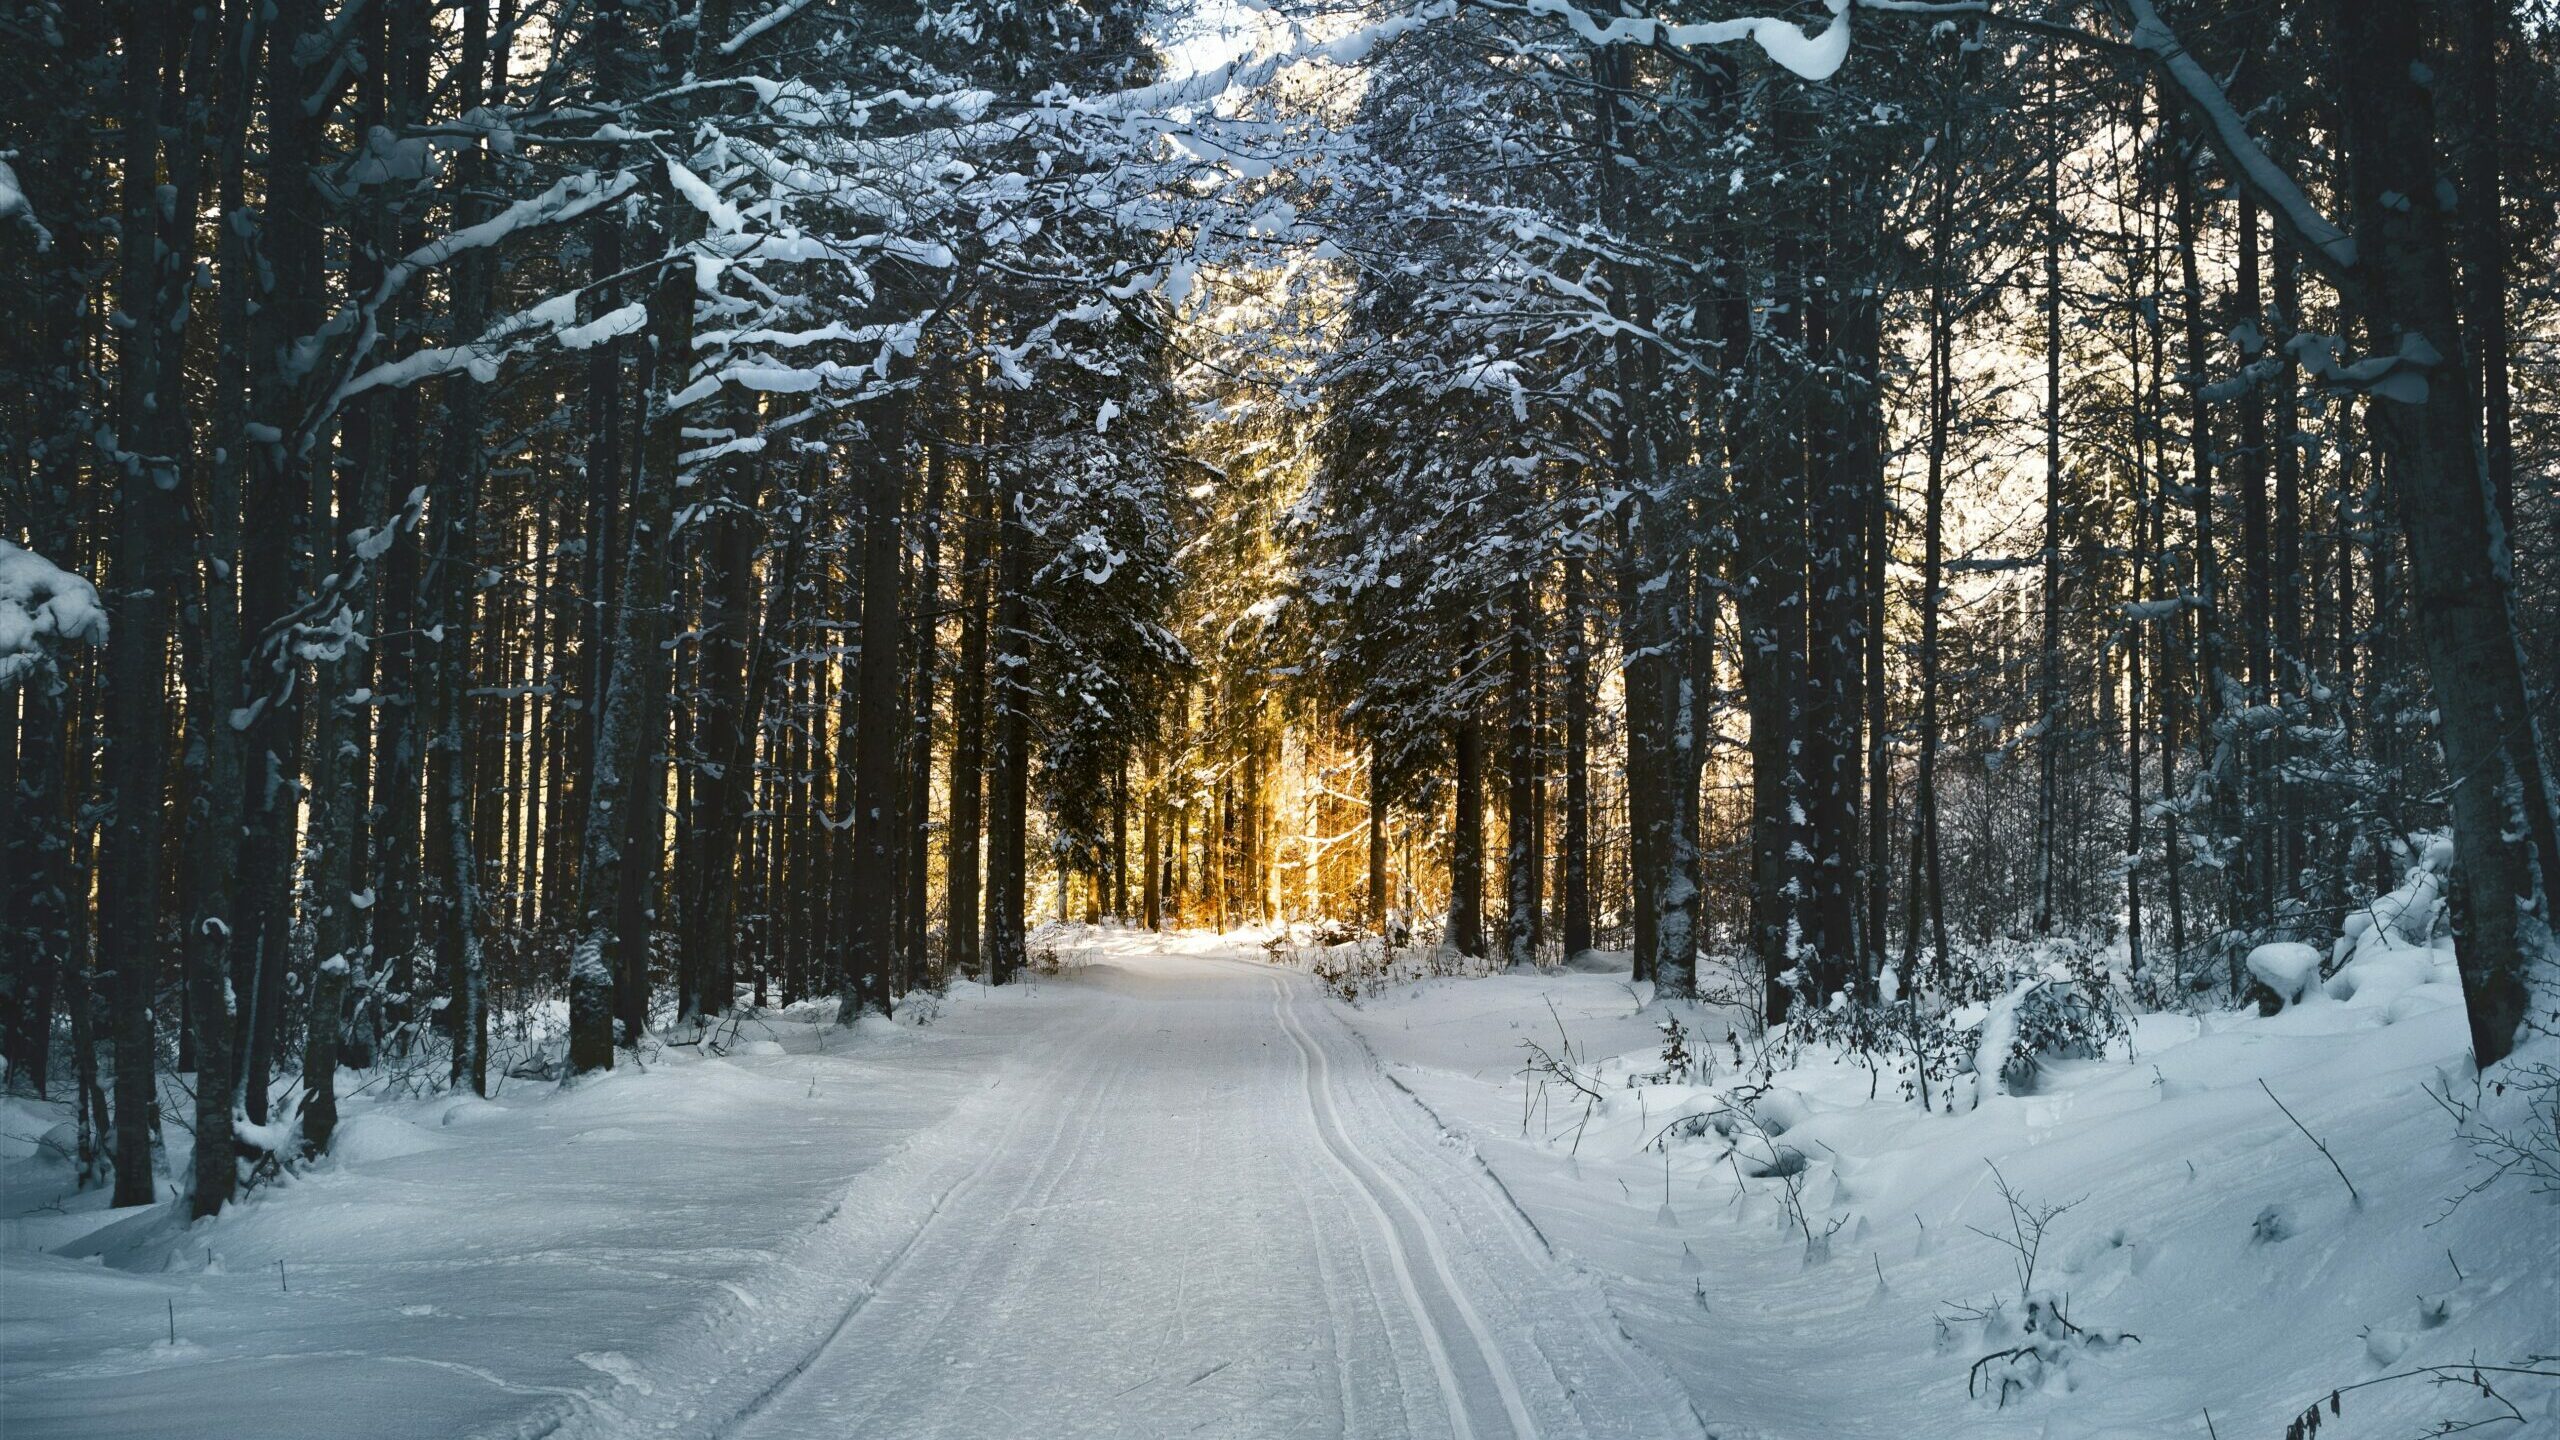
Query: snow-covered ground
(466, 1267)
(1164, 1193)
(1183, 1190)
(2199, 1219)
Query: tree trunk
(1841, 462)
(608, 968)
(968, 730)
(871, 956)
(1466, 831)
(728, 662)
(925, 634)
(279, 552)
(2286, 598)
(2254, 743)
(2214, 752)
(452, 862)
(1926, 891)
(397, 812)
(2049, 580)
(1009, 771)
(1773, 560)
(1521, 862)
(215, 692)
(1577, 773)
(151, 436)
(1151, 809)
(2461, 568)
(1378, 900)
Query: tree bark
(215, 689)
(1009, 770)
(2462, 591)
(1521, 862)
(871, 956)
(1466, 831)
(608, 967)
(923, 668)
(968, 726)
(163, 52)
(1577, 772)
(1150, 859)
(452, 862)
(2049, 579)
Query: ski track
(1399, 1222)
(1172, 1193)
(1211, 1213)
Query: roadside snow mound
(2137, 1235)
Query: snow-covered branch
(42, 604)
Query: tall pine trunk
(871, 956)
(1009, 763)
(1521, 861)
(1466, 829)
(608, 968)
(215, 692)
(149, 439)
(2462, 571)
(1577, 774)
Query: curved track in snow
(1208, 1212)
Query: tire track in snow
(1397, 1214)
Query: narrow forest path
(1211, 1213)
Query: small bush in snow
(1331, 932)
(2049, 1341)
(1680, 1065)
(2007, 1011)
(2511, 1122)
(2073, 1015)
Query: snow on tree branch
(41, 602)
(2335, 249)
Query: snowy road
(1169, 1193)
(1210, 1213)
(1174, 1192)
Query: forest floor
(1178, 1189)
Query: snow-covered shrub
(1355, 969)
(1368, 963)
(2071, 1016)
(2288, 970)
(2057, 1003)
(2004, 1012)
(2050, 1343)
(2398, 941)
(1331, 931)
(1907, 1037)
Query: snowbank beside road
(471, 1267)
(1816, 1256)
